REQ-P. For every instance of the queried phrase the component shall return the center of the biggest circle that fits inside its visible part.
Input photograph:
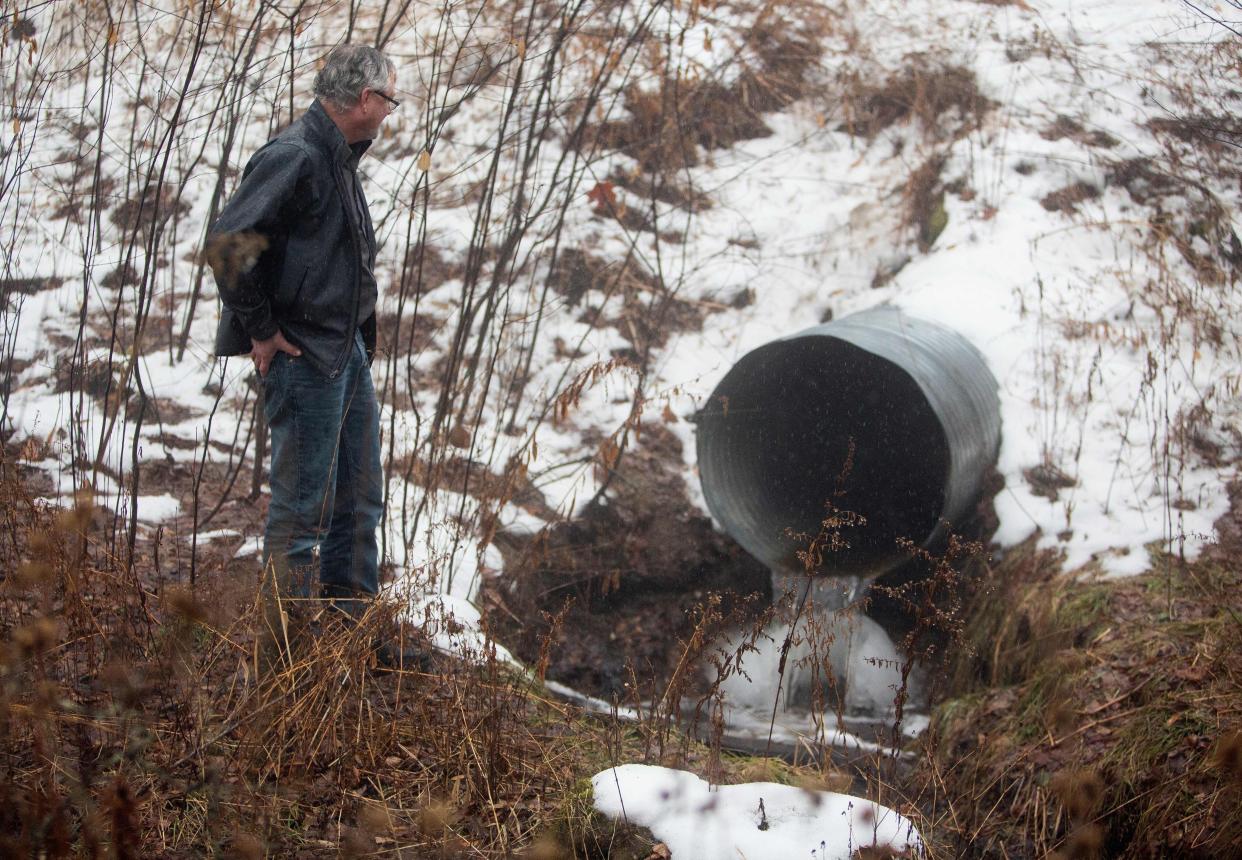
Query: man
(293, 252)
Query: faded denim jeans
(326, 478)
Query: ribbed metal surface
(913, 400)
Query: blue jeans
(326, 477)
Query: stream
(841, 676)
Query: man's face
(377, 105)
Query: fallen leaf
(603, 196)
(459, 436)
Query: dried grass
(138, 719)
(944, 99)
(1104, 722)
(675, 125)
(1066, 200)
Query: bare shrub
(945, 100)
(1066, 200)
(1215, 132)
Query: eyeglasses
(395, 104)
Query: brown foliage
(1066, 199)
(670, 128)
(1107, 726)
(231, 254)
(143, 718)
(944, 99)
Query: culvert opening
(890, 417)
(776, 438)
(880, 414)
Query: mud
(616, 590)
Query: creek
(841, 673)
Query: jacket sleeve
(251, 223)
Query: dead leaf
(424, 161)
(604, 197)
(30, 451)
(609, 453)
(459, 436)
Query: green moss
(937, 220)
(951, 711)
(1084, 609)
(581, 831)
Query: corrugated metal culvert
(914, 400)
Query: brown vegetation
(945, 99)
(136, 719)
(1093, 719)
(1066, 200)
(1068, 127)
(670, 128)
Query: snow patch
(698, 821)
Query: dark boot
(396, 646)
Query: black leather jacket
(294, 248)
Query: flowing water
(840, 678)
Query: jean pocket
(277, 370)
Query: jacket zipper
(353, 235)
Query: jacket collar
(324, 129)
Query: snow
(218, 534)
(593, 704)
(156, 509)
(453, 626)
(698, 821)
(1096, 328)
(1009, 275)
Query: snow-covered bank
(1115, 376)
(1109, 336)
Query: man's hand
(263, 351)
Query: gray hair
(349, 70)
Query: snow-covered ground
(1086, 250)
(757, 820)
(1077, 313)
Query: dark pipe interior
(778, 451)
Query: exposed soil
(625, 577)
